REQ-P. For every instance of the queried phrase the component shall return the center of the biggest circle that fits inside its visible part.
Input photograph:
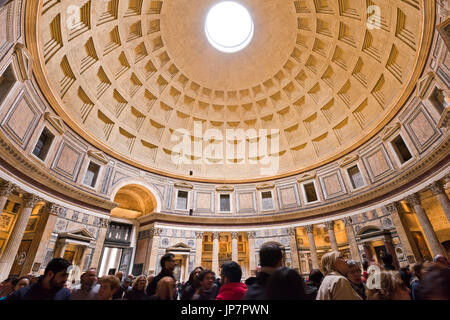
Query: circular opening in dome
(229, 26)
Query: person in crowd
(387, 261)
(137, 291)
(119, 275)
(285, 284)
(50, 286)
(250, 281)
(206, 290)
(108, 286)
(442, 261)
(271, 258)
(354, 275)
(21, 283)
(6, 288)
(435, 285)
(314, 280)
(389, 286)
(168, 264)
(232, 288)
(406, 276)
(191, 285)
(365, 266)
(335, 285)
(88, 287)
(165, 289)
(124, 288)
(419, 270)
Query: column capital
(329, 225)
(199, 234)
(392, 207)
(52, 208)
(309, 228)
(104, 223)
(437, 187)
(292, 231)
(216, 235)
(414, 199)
(155, 232)
(251, 234)
(347, 221)
(6, 188)
(234, 235)
(30, 200)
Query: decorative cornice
(225, 189)
(390, 130)
(265, 186)
(307, 176)
(348, 159)
(184, 185)
(52, 209)
(24, 61)
(100, 156)
(56, 122)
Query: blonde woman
(137, 291)
(165, 290)
(391, 287)
(335, 285)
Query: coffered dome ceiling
(329, 74)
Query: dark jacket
(151, 288)
(36, 292)
(232, 291)
(134, 294)
(207, 295)
(256, 290)
(187, 293)
(121, 292)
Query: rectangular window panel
(401, 149)
(43, 144)
(355, 177)
(90, 179)
(225, 203)
(310, 192)
(182, 200)
(267, 201)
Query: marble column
(312, 247)
(83, 258)
(354, 251)
(425, 223)
(251, 252)
(294, 249)
(10, 251)
(409, 247)
(437, 188)
(152, 256)
(198, 249)
(234, 246)
(6, 188)
(330, 227)
(215, 254)
(61, 249)
(95, 261)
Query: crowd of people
(339, 279)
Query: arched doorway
(134, 201)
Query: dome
(142, 82)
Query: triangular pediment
(78, 234)
(99, 156)
(184, 185)
(424, 83)
(390, 130)
(56, 122)
(225, 188)
(24, 60)
(307, 176)
(265, 186)
(348, 159)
